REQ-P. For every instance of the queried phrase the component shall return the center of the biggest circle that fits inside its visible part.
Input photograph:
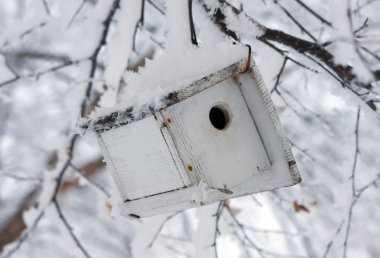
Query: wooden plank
(141, 161)
(259, 102)
(173, 151)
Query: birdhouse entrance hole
(220, 117)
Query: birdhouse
(217, 138)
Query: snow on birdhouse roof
(168, 79)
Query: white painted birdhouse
(217, 138)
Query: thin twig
(44, 72)
(299, 25)
(42, 212)
(217, 216)
(279, 75)
(353, 186)
(161, 227)
(92, 183)
(24, 236)
(246, 237)
(156, 7)
(301, 103)
(355, 41)
(284, 54)
(76, 13)
(314, 13)
(329, 245)
(366, 4)
(362, 27)
(377, 57)
(303, 151)
(46, 6)
(69, 228)
(95, 55)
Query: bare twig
(371, 53)
(244, 233)
(355, 41)
(92, 183)
(299, 25)
(160, 228)
(46, 5)
(31, 30)
(329, 245)
(25, 235)
(242, 242)
(356, 193)
(362, 27)
(314, 13)
(69, 227)
(95, 55)
(217, 216)
(156, 7)
(279, 76)
(76, 13)
(304, 107)
(47, 71)
(366, 4)
(354, 197)
(284, 53)
(303, 151)
(42, 212)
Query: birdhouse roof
(134, 113)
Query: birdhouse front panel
(217, 138)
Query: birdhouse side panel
(270, 129)
(140, 160)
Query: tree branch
(95, 55)
(307, 48)
(354, 199)
(69, 228)
(217, 216)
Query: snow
(346, 54)
(37, 116)
(180, 65)
(252, 29)
(173, 71)
(119, 48)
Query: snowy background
(60, 59)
